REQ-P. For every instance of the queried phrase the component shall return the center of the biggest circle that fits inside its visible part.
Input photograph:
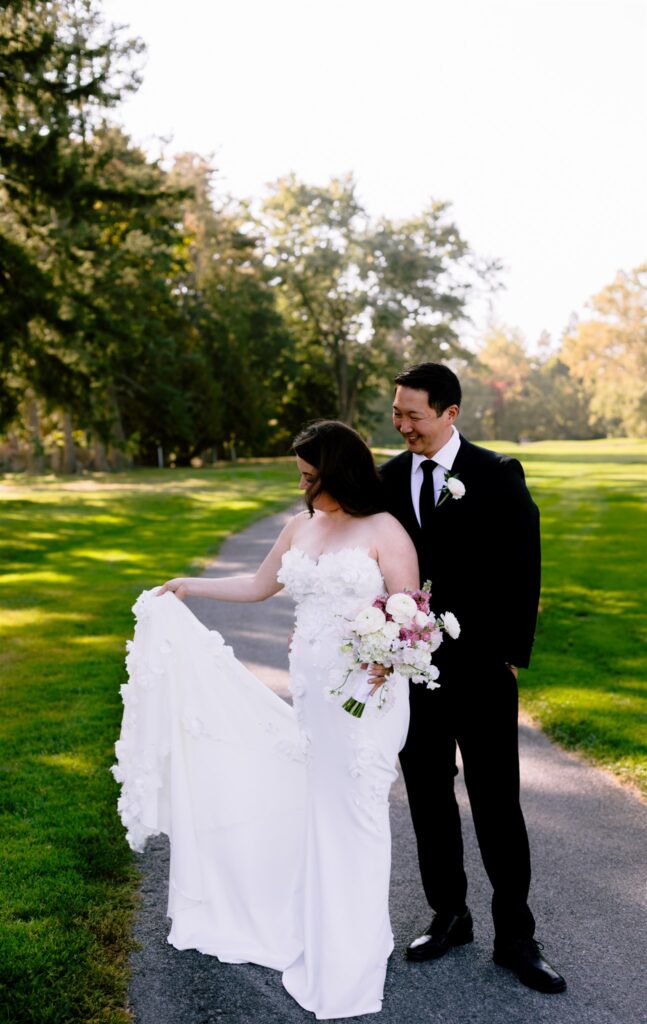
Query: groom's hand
(513, 669)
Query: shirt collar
(444, 456)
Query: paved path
(589, 843)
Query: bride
(277, 816)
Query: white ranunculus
(391, 630)
(421, 619)
(451, 625)
(455, 487)
(401, 607)
(369, 621)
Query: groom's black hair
(441, 384)
(345, 467)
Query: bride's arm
(397, 557)
(398, 562)
(238, 588)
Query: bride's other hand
(176, 586)
(377, 674)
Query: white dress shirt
(444, 459)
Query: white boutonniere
(452, 487)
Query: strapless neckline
(348, 549)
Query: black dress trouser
(478, 710)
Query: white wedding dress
(277, 816)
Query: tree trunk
(118, 454)
(15, 452)
(347, 388)
(99, 456)
(35, 457)
(341, 379)
(69, 448)
(351, 407)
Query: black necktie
(427, 497)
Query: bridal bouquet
(400, 633)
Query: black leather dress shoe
(446, 930)
(523, 956)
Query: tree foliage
(226, 295)
(608, 354)
(362, 296)
(509, 394)
(89, 231)
(60, 66)
(141, 310)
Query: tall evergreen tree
(61, 67)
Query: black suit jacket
(481, 553)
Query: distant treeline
(146, 316)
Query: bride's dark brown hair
(345, 467)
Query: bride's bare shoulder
(302, 516)
(396, 553)
(388, 526)
(385, 521)
(296, 524)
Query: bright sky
(529, 116)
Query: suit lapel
(402, 491)
(462, 456)
(461, 462)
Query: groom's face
(422, 428)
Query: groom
(476, 531)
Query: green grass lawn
(587, 685)
(74, 556)
(75, 553)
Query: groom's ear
(452, 412)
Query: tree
(90, 229)
(60, 68)
(225, 292)
(151, 380)
(361, 297)
(608, 354)
(508, 394)
(496, 390)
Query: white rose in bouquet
(401, 607)
(369, 620)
